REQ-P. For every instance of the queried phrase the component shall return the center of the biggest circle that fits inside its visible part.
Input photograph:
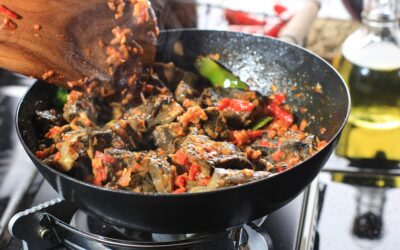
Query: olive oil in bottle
(370, 65)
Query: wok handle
(296, 30)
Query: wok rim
(222, 190)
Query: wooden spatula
(65, 41)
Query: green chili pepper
(60, 98)
(217, 75)
(262, 123)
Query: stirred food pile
(178, 132)
(162, 129)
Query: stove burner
(58, 223)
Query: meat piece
(144, 172)
(79, 146)
(47, 119)
(78, 104)
(289, 150)
(161, 172)
(123, 137)
(187, 88)
(125, 170)
(167, 113)
(215, 126)
(165, 136)
(169, 74)
(223, 178)
(211, 97)
(156, 110)
(184, 84)
(208, 154)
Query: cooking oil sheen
(373, 77)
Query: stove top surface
(282, 229)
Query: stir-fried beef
(47, 119)
(123, 170)
(138, 171)
(123, 137)
(157, 110)
(78, 105)
(79, 145)
(215, 126)
(222, 178)
(161, 172)
(208, 154)
(286, 151)
(187, 88)
(235, 115)
(168, 134)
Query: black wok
(256, 59)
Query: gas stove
(57, 223)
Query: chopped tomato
(242, 137)
(179, 190)
(73, 96)
(278, 156)
(99, 172)
(224, 103)
(40, 154)
(98, 168)
(235, 104)
(266, 144)
(46, 152)
(193, 172)
(181, 158)
(253, 134)
(322, 144)
(278, 99)
(53, 132)
(181, 180)
(104, 157)
(280, 113)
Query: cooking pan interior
(313, 88)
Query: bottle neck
(382, 18)
(381, 12)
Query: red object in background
(274, 31)
(246, 22)
(279, 9)
(236, 17)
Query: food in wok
(174, 131)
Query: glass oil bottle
(370, 65)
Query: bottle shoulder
(366, 49)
